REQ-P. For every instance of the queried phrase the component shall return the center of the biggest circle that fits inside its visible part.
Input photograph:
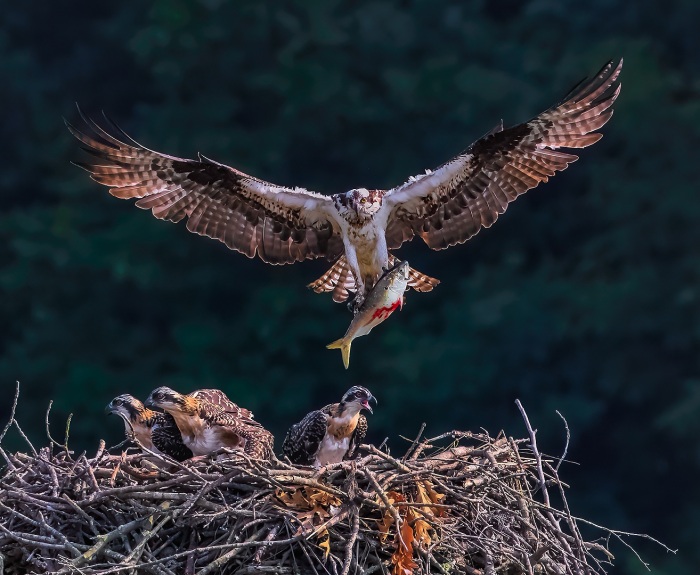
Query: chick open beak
(366, 405)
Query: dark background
(583, 298)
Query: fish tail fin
(343, 345)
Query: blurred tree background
(583, 298)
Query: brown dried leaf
(387, 519)
(403, 556)
(384, 525)
(324, 542)
(421, 528)
(426, 494)
(293, 499)
(320, 497)
(306, 498)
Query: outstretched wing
(282, 225)
(451, 204)
(304, 439)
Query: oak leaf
(426, 494)
(421, 528)
(387, 520)
(403, 556)
(324, 542)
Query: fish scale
(386, 296)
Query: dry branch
(470, 507)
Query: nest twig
(473, 506)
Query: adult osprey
(357, 228)
(330, 434)
(151, 429)
(206, 427)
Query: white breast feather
(332, 450)
(204, 443)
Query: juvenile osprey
(357, 228)
(206, 427)
(151, 429)
(220, 399)
(332, 433)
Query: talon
(353, 306)
(352, 301)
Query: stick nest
(476, 505)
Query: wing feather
(219, 399)
(281, 225)
(451, 204)
(357, 438)
(339, 280)
(257, 441)
(304, 439)
(167, 438)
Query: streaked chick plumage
(151, 429)
(207, 426)
(330, 434)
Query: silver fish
(385, 297)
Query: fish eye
(363, 201)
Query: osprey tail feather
(339, 280)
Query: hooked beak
(110, 408)
(366, 405)
(149, 402)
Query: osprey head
(365, 202)
(127, 407)
(166, 398)
(360, 397)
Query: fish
(385, 297)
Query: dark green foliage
(582, 298)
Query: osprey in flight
(356, 229)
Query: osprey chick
(206, 427)
(330, 434)
(219, 399)
(151, 429)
